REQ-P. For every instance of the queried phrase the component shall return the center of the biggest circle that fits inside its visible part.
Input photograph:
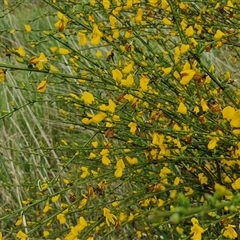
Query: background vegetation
(119, 119)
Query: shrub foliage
(120, 119)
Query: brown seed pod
(202, 119)
(110, 56)
(208, 48)
(128, 47)
(199, 76)
(121, 97)
(72, 196)
(216, 108)
(109, 133)
(188, 139)
(117, 224)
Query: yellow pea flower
(42, 86)
(186, 75)
(63, 51)
(21, 235)
(117, 75)
(96, 35)
(110, 218)
(182, 108)
(87, 98)
(62, 22)
(21, 51)
(228, 112)
(27, 28)
(128, 82)
(218, 35)
(189, 31)
(2, 75)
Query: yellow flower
(131, 161)
(93, 2)
(5, 2)
(110, 218)
(128, 68)
(160, 203)
(82, 39)
(189, 191)
(83, 202)
(2, 75)
(120, 166)
(219, 34)
(180, 230)
(104, 152)
(113, 21)
(139, 15)
(158, 139)
(61, 218)
(184, 48)
(21, 235)
(229, 232)
(95, 144)
(1, 236)
(128, 34)
(18, 222)
(128, 82)
(46, 233)
(99, 54)
(144, 82)
(117, 75)
(133, 127)
(167, 21)
(82, 223)
(228, 112)
(196, 230)
(42, 86)
(204, 105)
(75, 230)
(39, 61)
(203, 179)
(53, 68)
(98, 117)
(106, 4)
(118, 173)
(189, 31)
(154, 3)
(235, 122)
(182, 108)
(55, 198)
(44, 186)
(221, 190)
(27, 28)
(164, 171)
(53, 49)
(21, 51)
(63, 51)
(85, 172)
(236, 184)
(105, 160)
(86, 121)
(46, 208)
(166, 70)
(96, 35)
(87, 98)
(164, 5)
(213, 143)
(186, 75)
(62, 22)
